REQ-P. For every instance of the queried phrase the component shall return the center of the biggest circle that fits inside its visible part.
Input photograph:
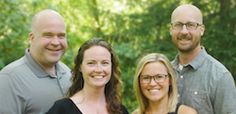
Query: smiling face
(155, 91)
(96, 66)
(48, 38)
(187, 40)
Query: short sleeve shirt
(206, 85)
(25, 88)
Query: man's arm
(225, 96)
(9, 101)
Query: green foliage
(13, 31)
(134, 27)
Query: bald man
(33, 83)
(203, 82)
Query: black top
(67, 106)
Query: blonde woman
(155, 87)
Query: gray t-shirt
(25, 88)
(206, 85)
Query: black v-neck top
(67, 106)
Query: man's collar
(37, 69)
(195, 63)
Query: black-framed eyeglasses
(146, 79)
(189, 25)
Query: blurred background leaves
(133, 27)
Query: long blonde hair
(172, 95)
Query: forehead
(186, 13)
(97, 52)
(153, 68)
(47, 21)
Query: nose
(184, 30)
(152, 81)
(98, 68)
(55, 40)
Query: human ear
(31, 37)
(202, 30)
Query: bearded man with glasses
(203, 82)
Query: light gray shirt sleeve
(9, 102)
(225, 95)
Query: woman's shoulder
(64, 106)
(184, 109)
(62, 101)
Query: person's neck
(95, 95)
(50, 69)
(158, 107)
(91, 95)
(87, 98)
(186, 57)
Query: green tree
(134, 27)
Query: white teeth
(98, 77)
(154, 90)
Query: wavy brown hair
(112, 88)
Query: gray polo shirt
(25, 88)
(206, 85)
